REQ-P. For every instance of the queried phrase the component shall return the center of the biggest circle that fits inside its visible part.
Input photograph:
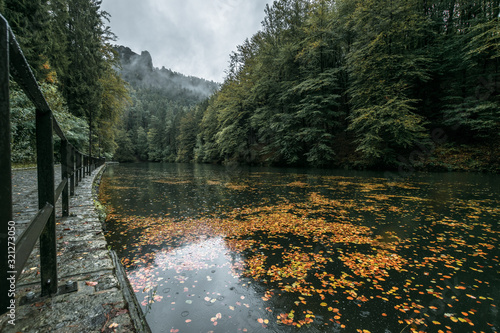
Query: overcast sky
(193, 37)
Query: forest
(68, 46)
(362, 84)
(348, 83)
(151, 125)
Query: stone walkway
(103, 302)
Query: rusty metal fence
(74, 167)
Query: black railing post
(65, 155)
(74, 167)
(72, 171)
(78, 168)
(84, 166)
(77, 180)
(5, 170)
(46, 193)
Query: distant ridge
(138, 70)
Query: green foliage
(324, 83)
(67, 46)
(114, 100)
(384, 73)
(23, 123)
(476, 120)
(486, 40)
(206, 150)
(142, 144)
(386, 65)
(22, 127)
(30, 23)
(75, 129)
(124, 152)
(188, 130)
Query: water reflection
(196, 286)
(214, 249)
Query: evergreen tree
(29, 20)
(386, 65)
(333, 83)
(125, 148)
(188, 130)
(67, 44)
(81, 84)
(114, 100)
(319, 110)
(58, 55)
(142, 144)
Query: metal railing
(74, 167)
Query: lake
(246, 249)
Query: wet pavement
(102, 302)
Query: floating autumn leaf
(323, 248)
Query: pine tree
(81, 84)
(30, 22)
(319, 110)
(114, 100)
(58, 55)
(386, 65)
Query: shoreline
(100, 304)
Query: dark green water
(226, 249)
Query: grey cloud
(193, 37)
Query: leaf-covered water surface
(214, 249)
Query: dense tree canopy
(67, 44)
(357, 83)
(161, 124)
(325, 83)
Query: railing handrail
(42, 226)
(23, 75)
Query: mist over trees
(347, 83)
(359, 84)
(152, 126)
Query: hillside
(138, 70)
(161, 99)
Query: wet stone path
(100, 303)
